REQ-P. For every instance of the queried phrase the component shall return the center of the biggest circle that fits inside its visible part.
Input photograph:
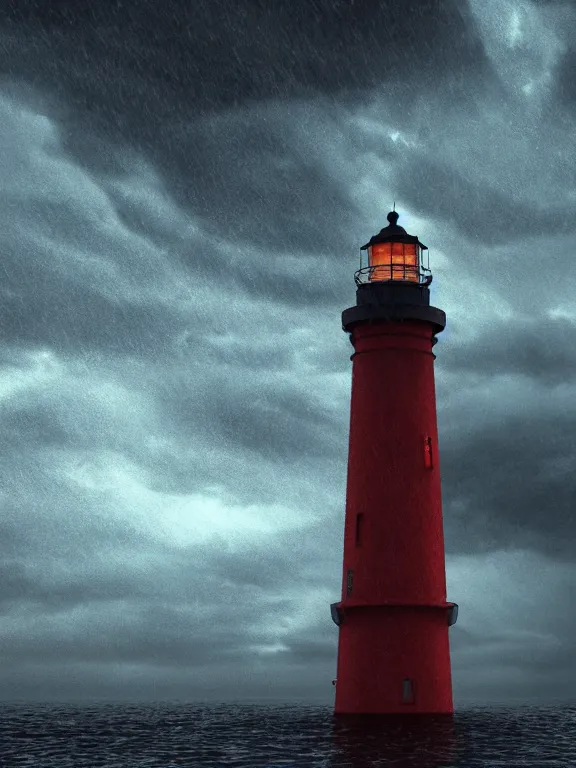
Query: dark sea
(170, 735)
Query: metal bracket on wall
(452, 615)
(336, 614)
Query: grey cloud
(507, 472)
(270, 422)
(510, 484)
(55, 593)
(481, 211)
(311, 651)
(250, 50)
(65, 316)
(157, 636)
(522, 624)
(565, 84)
(253, 180)
(42, 306)
(179, 239)
(534, 347)
(190, 609)
(262, 569)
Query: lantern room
(393, 255)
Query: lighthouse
(393, 617)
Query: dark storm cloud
(195, 578)
(524, 632)
(158, 607)
(482, 211)
(146, 74)
(182, 198)
(62, 591)
(148, 631)
(284, 424)
(60, 522)
(566, 83)
(510, 484)
(213, 54)
(508, 479)
(72, 273)
(534, 347)
(104, 256)
(65, 315)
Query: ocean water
(170, 735)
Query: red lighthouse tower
(393, 618)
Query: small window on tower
(407, 691)
(428, 460)
(349, 581)
(359, 526)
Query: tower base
(394, 659)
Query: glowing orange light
(394, 261)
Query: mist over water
(257, 736)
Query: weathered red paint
(394, 618)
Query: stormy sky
(184, 190)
